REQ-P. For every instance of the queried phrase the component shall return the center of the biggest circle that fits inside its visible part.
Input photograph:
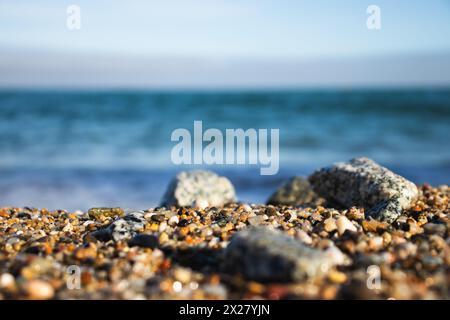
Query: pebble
(7, 280)
(337, 277)
(158, 218)
(173, 221)
(304, 237)
(376, 243)
(39, 290)
(183, 275)
(144, 241)
(163, 237)
(329, 225)
(374, 225)
(162, 227)
(257, 220)
(435, 228)
(355, 214)
(89, 252)
(206, 187)
(96, 213)
(122, 229)
(343, 224)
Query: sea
(81, 149)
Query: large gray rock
(364, 183)
(266, 255)
(294, 192)
(199, 189)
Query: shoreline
(80, 189)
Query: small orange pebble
(214, 279)
(349, 246)
(228, 227)
(183, 231)
(86, 278)
(337, 276)
(355, 213)
(165, 285)
(225, 236)
(276, 292)
(86, 253)
(70, 247)
(373, 225)
(329, 292)
(291, 232)
(163, 237)
(4, 213)
(256, 288)
(120, 246)
(422, 219)
(39, 290)
(189, 239)
(320, 209)
(165, 265)
(198, 295)
(48, 248)
(131, 254)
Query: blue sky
(179, 32)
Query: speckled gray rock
(199, 188)
(122, 229)
(294, 192)
(267, 255)
(364, 183)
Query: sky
(224, 43)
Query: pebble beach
(303, 245)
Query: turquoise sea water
(81, 149)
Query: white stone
(344, 224)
